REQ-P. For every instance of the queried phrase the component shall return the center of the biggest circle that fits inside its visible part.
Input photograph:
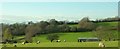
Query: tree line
(45, 27)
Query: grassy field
(109, 24)
(71, 41)
(70, 37)
(66, 44)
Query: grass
(109, 24)
(71, 41)
(66, 44)
(68, 36)
(18, 37)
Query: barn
(88, 39)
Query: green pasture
(68, 36)
(65, 44)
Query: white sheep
(64, 40)
(23, 43)
(38, 42)
(101, 44)
(58, 40)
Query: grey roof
(87, 38)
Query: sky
(60, 0)
(13, 12)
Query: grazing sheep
(58, 41)
(38, 42)
(64, 40)
(101, 44)
(23, 43)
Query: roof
(87, 38)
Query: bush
(52, 37)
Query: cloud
(13, 19)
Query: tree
(53, 26)
(64, 28)
(53, 22)
(73, 29)
(104, 33)
(28, 37)
(7, 35)
(18, 29)
(86, 25)
(42, 26)
(118, 26)
(52, 37)
(31, 31)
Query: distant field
(109, 24)
(68, 36)
(66, 44)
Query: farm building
(88, 39)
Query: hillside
(109, 24)
(68, 36)
(72, 36)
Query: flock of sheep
(101, 44)
(37, 42)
